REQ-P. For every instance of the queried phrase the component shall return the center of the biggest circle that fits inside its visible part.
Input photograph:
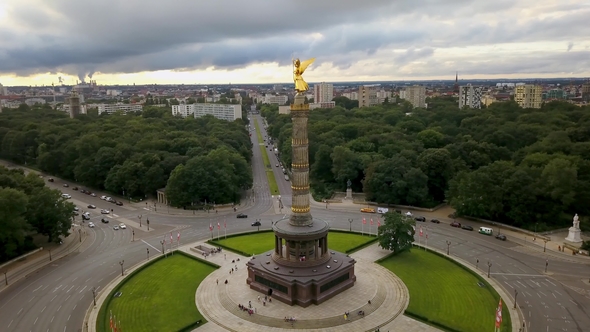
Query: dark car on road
(119, 203)
(256, 223)
(436, 221)
(241, 215)
(90, 206)
(456, 224)
(50, 180)
(501, 237)
(105, 221)
(467, 227)
(422, 219)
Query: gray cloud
(112, 36)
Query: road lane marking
(58, 308)
(74, 279)
(35, 321)
(550, 282)
(570, 301)
(10, 323)
(43, 308)
(69, 317)
(100, 280)
(21, 309)
(57, 288)
(554, 295)
(31, 299)
(151, 246)
(52, 318)
(558, 292)
(87, 280)
(36, 289)
(542, 293)
(508, 284)
(83, 289)
(53, 298)
(68, 297)
(74, 307)
(516, 274)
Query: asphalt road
(56, 297)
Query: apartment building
(228, 112)
(354, 95)
(327, 104)
(112, 108)
(323, 92)
(277, 100)
(416, 95)
(367, 96)
(528, 95)
(470, 96)
(586, 91)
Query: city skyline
(253, 42)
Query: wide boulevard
(56, 297)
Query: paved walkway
(389, 298)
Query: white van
(486, 230)
(382, 210)
(286, 178)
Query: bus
(286, 178)
(486, 230)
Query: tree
(13, 225)
(396, 233)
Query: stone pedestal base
(349, 193)
(574, 235)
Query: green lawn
(272, 182)
(161, 297)
(258, 243)
(445, 293)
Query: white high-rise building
(113, 108)
(272, 99)
(416, 95)
(228, 112)
(3, 90)
(323, 92)
(470, 96)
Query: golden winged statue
(300, 66)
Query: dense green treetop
(513, 165)
(131, 155)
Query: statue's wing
(304, 64)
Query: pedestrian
(265, 297)
(250, 304)
(258, 298)
(217, 281)
(232, 269)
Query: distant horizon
(311, 83)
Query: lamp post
(121, 263)
(448, 246)
(148, 223)
(148, 254)
(94, 295)
(476, 264)
(80, 233)
(5, 278)
(163, 252)
(546, 264)
(50, 255)
(515, 294)
(258, 222)
(140, 216)
(489, 268)
(133, 233)
(350, 221)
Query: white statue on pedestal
(574, 231)
(576, 222)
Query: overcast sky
(237, 41)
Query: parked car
(75, 213)
(409, 214)
(83, 191)
(453, 215)
(436, 221)
(122, 226)
(91, 224)
(75, 188)
(104, 221)
(501, 237)
(368, 210)
(67, 196)
(103, 197)
(241, 215)
(105, 211)
(467, 227)
(66, 185)
(50, 180)
(455, 224)
(119, 203)
(422, 219)
(256, 223)
(85, 217)
(93, 194)
(116, 227)
(90, 206)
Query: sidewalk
(18, 269)
(164, 210)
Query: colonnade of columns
(298, 250)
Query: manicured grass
(161, 297)
(445, 293)
(272, 182)
(258, 243)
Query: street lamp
(148, 223)
(545, 246)
(258, 222)
(121, 263)
(515, 294)
(140, 216)
(350, 221)
(94, 295)
(50, 255)
(476, 264)
(489, 267)
(163, 252)
(133, 233)
(448, 246)
(5, 278)
(80, 233)
(546, 264)
(148, 253)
